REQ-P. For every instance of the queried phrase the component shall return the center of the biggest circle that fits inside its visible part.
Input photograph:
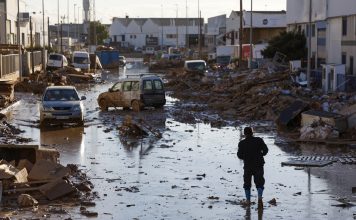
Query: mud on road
(192, 172)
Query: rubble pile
(318, 130)
(257, 95)
(43, 183)
(264, 94)
(130, 129)
(9, 134)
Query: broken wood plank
(310, 163)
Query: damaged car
(136, 93)
(61, 104)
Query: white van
(195, 66)
(56, 61)
(81, 60)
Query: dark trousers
(257, 173)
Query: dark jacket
(251, 151)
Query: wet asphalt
(192, 172)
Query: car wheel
(135, 106)
(102, 104)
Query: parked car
(137, 92)
(195, 66)
(81, 60)
(61, 103)
(122, 61)
(56, 61)
(149, 51)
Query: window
(116, 87)
(135, 86)
(147, 85)
(127, 86)
(343, 58)
(158, 84)
(171, 36)
(344, 26)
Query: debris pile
(9, 134)
(130, 129)
(318, 130)
(24, 184)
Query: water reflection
(69, 141)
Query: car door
(116, 94)
(126, 93)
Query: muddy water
(173, 177)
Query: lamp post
(18, 39)
(251, 38)
(176, 26)
(43, 40)
(186, 24)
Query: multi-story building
(265, 26)
(333, 30)
(141, 32)
(216, 31)
(8, 25)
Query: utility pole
(62, 19)
(58, 26)
(199, 30)
(309, 44)
(18, 39)
(48, 34)
(186, 25)
(68, 28)
(95, 37)
(44, 39)
(176, 26)
(240, 37)
(251, 50)
(162, 27)
(31, 38)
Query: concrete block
(47, 170)
(57, 189)
(337, 121)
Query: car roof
(139, 77)
(195, 61)
(60, 87)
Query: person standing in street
(252, 150)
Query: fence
(9, 64)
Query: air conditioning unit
(295, 65)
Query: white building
(216, 31)
(141, 32)
(333, 29)
(265, 25)
(8, 25)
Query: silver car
(61, 103)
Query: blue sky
(106, 9)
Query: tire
(103, 105)
(136, 107)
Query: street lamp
(43, 36)
(18, 39)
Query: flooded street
(192, 172)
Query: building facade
(333, 30)
(155, 32)
(265, 26)
(8, 25)
(216, 31)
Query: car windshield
(61, 95)
(196, 66)
(223, 60)
(55, 57)
(81, 60)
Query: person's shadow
(259, 212)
